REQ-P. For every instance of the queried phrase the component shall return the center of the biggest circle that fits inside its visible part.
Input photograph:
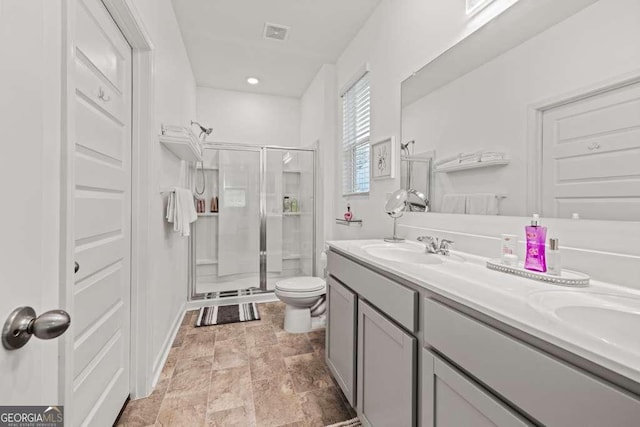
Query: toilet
(305, 300)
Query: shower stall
(258, 224)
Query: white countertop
(515, 301)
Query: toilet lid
(300, 284)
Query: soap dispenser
(536, 235)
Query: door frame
(535, 113)
(130, 23)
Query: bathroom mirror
(536, 110)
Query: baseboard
(266, 297)
(166, 347)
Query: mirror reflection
(549, 126)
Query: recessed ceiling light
(252, 80)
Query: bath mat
(353, 422)
(221, 314)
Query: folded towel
(454, 203)
(181, 211)
(482, 204)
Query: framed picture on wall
(383, 159)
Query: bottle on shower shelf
(214, 204)
(286, 204)
(294, 205)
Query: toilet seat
(302, 285)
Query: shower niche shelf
(181, 142)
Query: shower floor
(241, 283)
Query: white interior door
(102, 218)
(30, 75)
(591, 157)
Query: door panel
(386, 371)
(449, 399)
(102, 217)
(591, 157)
(341, 337)
(30, 76)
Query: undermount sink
(612, 318)
(407, 253)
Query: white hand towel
(482, 204)
(181, 210)
(454, 203)
(187, 211)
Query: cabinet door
(341, 337)
(450, 399)
(386, 371)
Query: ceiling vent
(276, 32)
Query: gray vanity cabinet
(450, 399)
(386, 371)
(341, 337)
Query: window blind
(356, 115)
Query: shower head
(203, 130)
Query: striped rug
(221, 314)
(354, 422)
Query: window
(355, 137)
(474, 6)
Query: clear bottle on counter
(554, 264)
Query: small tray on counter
(567, 278)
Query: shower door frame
(262, 150)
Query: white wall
(175, 104)
(487, 108)
(400, 37)
(318, 123)
(243, 117)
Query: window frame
(358, 149)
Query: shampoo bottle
(536, 238)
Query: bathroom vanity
(416, 339)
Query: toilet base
(299, 320)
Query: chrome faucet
(433, 245)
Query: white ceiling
(225, 44)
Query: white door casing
(97, 365)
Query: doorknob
(22, 323)
(76, 267)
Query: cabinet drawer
(395, 300)
(549, 390)
(449, 398)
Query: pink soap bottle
(348, 215)
(535, 259)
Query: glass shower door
(289, 200)
(226, 237)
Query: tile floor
(243, 374)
